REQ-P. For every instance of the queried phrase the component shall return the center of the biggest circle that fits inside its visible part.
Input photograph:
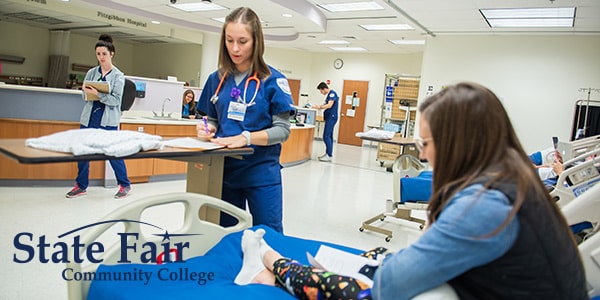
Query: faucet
(162, 112)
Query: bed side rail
(199, 234)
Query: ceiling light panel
(348, 49)
(521, 13)
(333, 42)
(384, 27)
(530, 17)
(531, 22)
(352, 6)
(407, 42)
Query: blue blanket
(416, 189)
(190, 280)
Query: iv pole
(587, 110)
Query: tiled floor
(323, 201)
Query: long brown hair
(247, 16)
(474, 138)
(192, 103)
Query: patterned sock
(376, 254)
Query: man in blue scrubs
(330, 116)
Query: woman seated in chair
(493, 231)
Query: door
(353, 107)
(295, 89)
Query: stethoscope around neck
(243, 100)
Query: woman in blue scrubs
(104, 113)
(248, 104)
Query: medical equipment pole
(587, 108)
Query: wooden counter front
(298, 147)
(139, 170)
(18, 129)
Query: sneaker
(123, 192)
(324, 154)
(325, 158)
(76, 192)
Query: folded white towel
(117, 143)
(377, 134)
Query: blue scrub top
(331, 112)
(273, 98)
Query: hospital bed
(211, 262)
(580, 174)
(412, 189)
(586, 209)
(572, 149)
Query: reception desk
(36, 111)
(298, 147)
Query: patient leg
(306, 282)
(252, 264)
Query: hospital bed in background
(580, 174)
(214, 251)
(585, 209)
(572, 149)
(412, 189)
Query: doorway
(295, 89)
(353, 108)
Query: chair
(412, 189)
(128, 95)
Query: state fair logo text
(69, 249)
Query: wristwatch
(246, 134)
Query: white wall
(82, 52)
(365, 67)
(536, 77)
(162, 60)
(29, 42)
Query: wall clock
(338, 63)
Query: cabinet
(21, 129)
(398, 113)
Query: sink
(160, 118)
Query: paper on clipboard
(191, 143)
(342, 263)
(101, 86)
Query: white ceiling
(309, 23)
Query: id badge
(236, 111)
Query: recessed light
(287, 15)
(155, 22)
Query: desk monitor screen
(301, 117)
(140, 89)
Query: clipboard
(191, 144)
(101, 86)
